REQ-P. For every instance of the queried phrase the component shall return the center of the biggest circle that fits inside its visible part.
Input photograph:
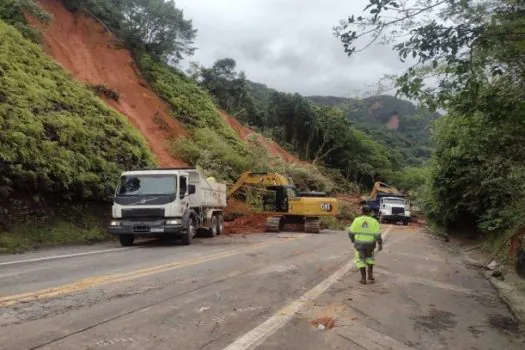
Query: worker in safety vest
(365, 232)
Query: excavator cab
(278, 198)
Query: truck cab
(166, 202)
(394, 209)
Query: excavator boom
(381, 187)
(262, 179)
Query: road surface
(255, 291)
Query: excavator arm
(258, 179)
(381, 187)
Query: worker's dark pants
(364, 257)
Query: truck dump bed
(208, 193)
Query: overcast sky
(287, 44)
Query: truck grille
(143, 213)
(140, 228)
(398, 211)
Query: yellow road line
(97, 281)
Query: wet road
(257, 291)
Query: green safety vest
(365, 229)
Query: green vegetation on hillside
(58, 138)
(13, 12)
(60, 142)
(412, 140)
(477, 175)
(213, 146)
(319, 134)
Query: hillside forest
(466, 58)
(67, 136)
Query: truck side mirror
(191, 189)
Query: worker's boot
(371, 273)
(363, 275)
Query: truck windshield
(394, 201)
(147, 185)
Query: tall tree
(160, 27)
(229, 87)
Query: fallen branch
(113, 36)
(502, 246)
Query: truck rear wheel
(189, 232)
(126, 240)
(220, 224)
(212, 232)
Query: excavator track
(273, 224)
(312, 225)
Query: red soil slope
(244, 132)
(86, 49)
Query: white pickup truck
(394, 209)
(175, 202)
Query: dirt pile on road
(251, 223)
(241, 218)
(83, 47)
(325, 322)
(237, 208)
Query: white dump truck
(174, 202)
(394, 209)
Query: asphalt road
(254, 291)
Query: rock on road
(254, 291)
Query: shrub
(213, 155)
(103, 90)
(347, 212)
(331, 223)
(13, 12)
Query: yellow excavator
(289, 205)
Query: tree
(332, 127)
(475, 52)
(230, 89)
(461, 44)
(159, 27)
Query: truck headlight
(114, 223)
(173, 222)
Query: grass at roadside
(27, 236)
(39, 224)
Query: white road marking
(260, 333)
(56, 257)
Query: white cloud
(287, 44)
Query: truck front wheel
(189, 232)
(405, 222)
(126, 240)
